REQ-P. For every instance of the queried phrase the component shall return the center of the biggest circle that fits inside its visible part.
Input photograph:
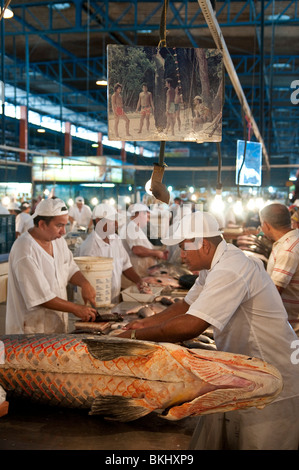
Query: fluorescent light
(101, 82)
(98, 185)
(281, 65)
(278, 17)
(60, 6)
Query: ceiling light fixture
(101, 82)
(8, 13)
(281, 65)
(278, 17)
(60, 6)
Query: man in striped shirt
(283, 264)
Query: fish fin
(112, 348)
(120, 408)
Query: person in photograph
(202, 114)
(118, 110)
(146, 105)
(178, 99)
(170, 105)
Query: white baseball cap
(196, 225)
(79, 199)
(138, 207)
(105, 211)
(50, 208)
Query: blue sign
(249, 166)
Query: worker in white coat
(80, 214)
(103, 241)
(142, 252)
(40, 267)
(24, 220)
(235, 295)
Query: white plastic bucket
(98, 271)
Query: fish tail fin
(120, 408)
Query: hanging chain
(162, 43)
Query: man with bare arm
(145, 103)
(118, 110)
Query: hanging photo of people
(169, 94)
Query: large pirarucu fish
(126, 379)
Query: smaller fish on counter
(202, 342)
(163, 281)
(168, 269)
(146, 310)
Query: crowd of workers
(253, 311)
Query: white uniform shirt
(35, 277)
(238, 298)
(3, 210)
(83, 216)
(283, 267)
(133, 235)
(93, 245)
(24, 221)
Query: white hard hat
(105, 211)
(79, 199)
(196, 225)
(50, 208)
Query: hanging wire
(162, 43)
(244, 154)
(219, 183)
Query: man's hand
(88, 293)
(85, 313)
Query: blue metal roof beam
(108, 26)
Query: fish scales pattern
(72, 354)
(80, 390)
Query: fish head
(225, 382)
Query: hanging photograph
(249, 163)
(169, 94)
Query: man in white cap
(40, 267)
(142, 252)
(235, 295)
(80, 214)
(23, 219)
(104, 242)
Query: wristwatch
(133, 334)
